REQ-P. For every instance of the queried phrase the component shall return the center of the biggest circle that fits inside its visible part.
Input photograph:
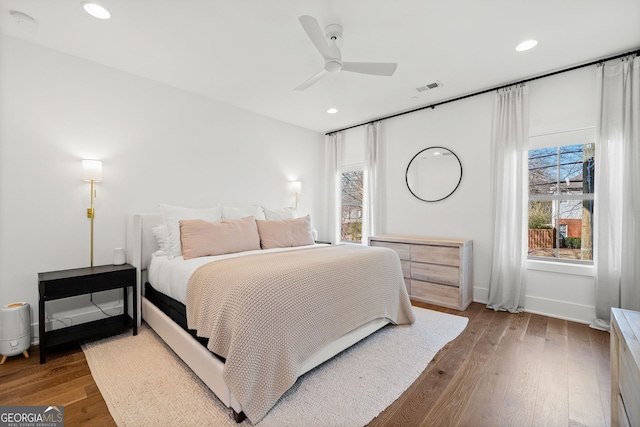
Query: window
(561, 189)
(351, 191)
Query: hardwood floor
(510, 370)
(65, 380)
(503, 370)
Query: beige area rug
(145, 384)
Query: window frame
(351, 167)
(559, 139)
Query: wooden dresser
(436, 271)
(625, 367)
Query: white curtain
(509, 153)
(617, 189)
(333, 163)
(372, 199)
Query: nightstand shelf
(55, 285)
(96, 329)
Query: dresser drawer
(436, 254)
(442, 274)
(403, 249)
(629, 377)
(433, 293)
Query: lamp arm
(90, 210)
(90, 215)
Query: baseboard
(481, 295)
(547, 307)
(560, 309)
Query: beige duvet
(267, 313)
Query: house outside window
(561, 191)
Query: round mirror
(434, 174)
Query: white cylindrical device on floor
(15, 328)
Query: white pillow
(278, 214)
(173, 214)
(162, 238)
(229, 212)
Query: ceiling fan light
(526, 45)
(96, 10)
(333, 66)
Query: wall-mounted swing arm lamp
(296, 188)
(92, 172)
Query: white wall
(157, 145)
(561, 102)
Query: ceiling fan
(329, 48)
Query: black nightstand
(80, 281)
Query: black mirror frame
(411, 161)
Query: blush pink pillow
(285, 233)
(203, 238)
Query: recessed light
(526, 45)
(96, 10)
(332, 111)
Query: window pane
(543, 171)
(575, 225)
(542, 235)
(351, 209)
(562, 170)
(561, 229)
(572, 158)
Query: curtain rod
(432, 106)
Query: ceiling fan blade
(312, 80)
(313, 30)
(375, 68)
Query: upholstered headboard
(140, 245)
(140, 241)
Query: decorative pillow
(162, 238)
(229, 212)
(285, 233)
(203, 238)
(173, 214)
(282, 213)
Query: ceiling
(253, 53)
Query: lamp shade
(296, 187)
(92, 170)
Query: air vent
(429, 86)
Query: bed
(158, 308)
